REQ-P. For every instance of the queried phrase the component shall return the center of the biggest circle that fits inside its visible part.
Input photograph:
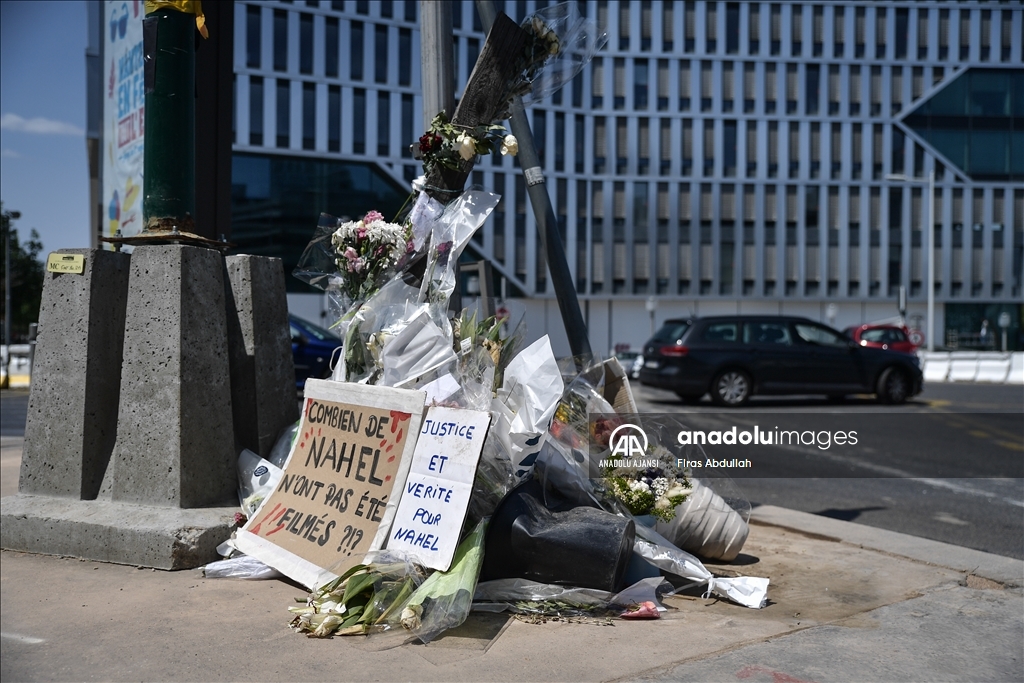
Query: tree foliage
(27, 272)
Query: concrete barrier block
(963, 367)
(72, 409)
(263, 396)
(1016, 373)
(145, 536)
(993, 369)
(936, 367)
(175, 439)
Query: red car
(883, 337)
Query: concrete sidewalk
(846, 603)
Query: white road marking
(28, 640)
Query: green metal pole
(169, 172)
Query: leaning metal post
(558, 267)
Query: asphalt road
(946, 466)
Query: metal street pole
(7, 218)
(931, 260)
(930, 245)
(558, 267)
(438, 65)
(170, 143)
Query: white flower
(678, 489)
(467, 147)
(509, 145)
(662, 504)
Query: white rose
(509, 145)
(467, 147)
(662, 504)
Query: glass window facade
(711, 150)
(277, 200)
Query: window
(308, 116)
(253, 37)
(754, 28)
(306, 43)
(640, 84)
(902, 28)
(813, 88)
(359, 121)
(404, 56)
(880, 33)
(797, 29)
(711, 26)
(280, 40)
(284, 122)
(255, 110)
(407, 132)
(732, 28)
(383, 124)
(355, 51)
(729, 148)
(720, 332)
(820, 336)
(380, 62)
(334, 118)
(331, 47)
(766, 333)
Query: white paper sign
(437, 490)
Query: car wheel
(731, 388)
(893, 387)
(689, 399)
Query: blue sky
(44, 171)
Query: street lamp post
(930, 246)
(8, 217)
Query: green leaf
(357, 584)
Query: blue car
(312, 350)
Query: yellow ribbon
(187, 6)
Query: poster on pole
(124, 108)
(436, 494)
(341, 483)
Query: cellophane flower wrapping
(560, 43)
(445, 599)
(352, 260)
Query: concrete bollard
(72, 410)
(263, 396)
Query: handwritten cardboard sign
(339, 491)
(436, 493)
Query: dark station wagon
(735, 357)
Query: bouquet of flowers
(450, 144)
(366, 251)
(648, 486)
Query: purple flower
(360, 234)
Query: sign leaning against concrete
(341, 482)
(437, 490)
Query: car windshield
(671, 331)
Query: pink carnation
(372, 216)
